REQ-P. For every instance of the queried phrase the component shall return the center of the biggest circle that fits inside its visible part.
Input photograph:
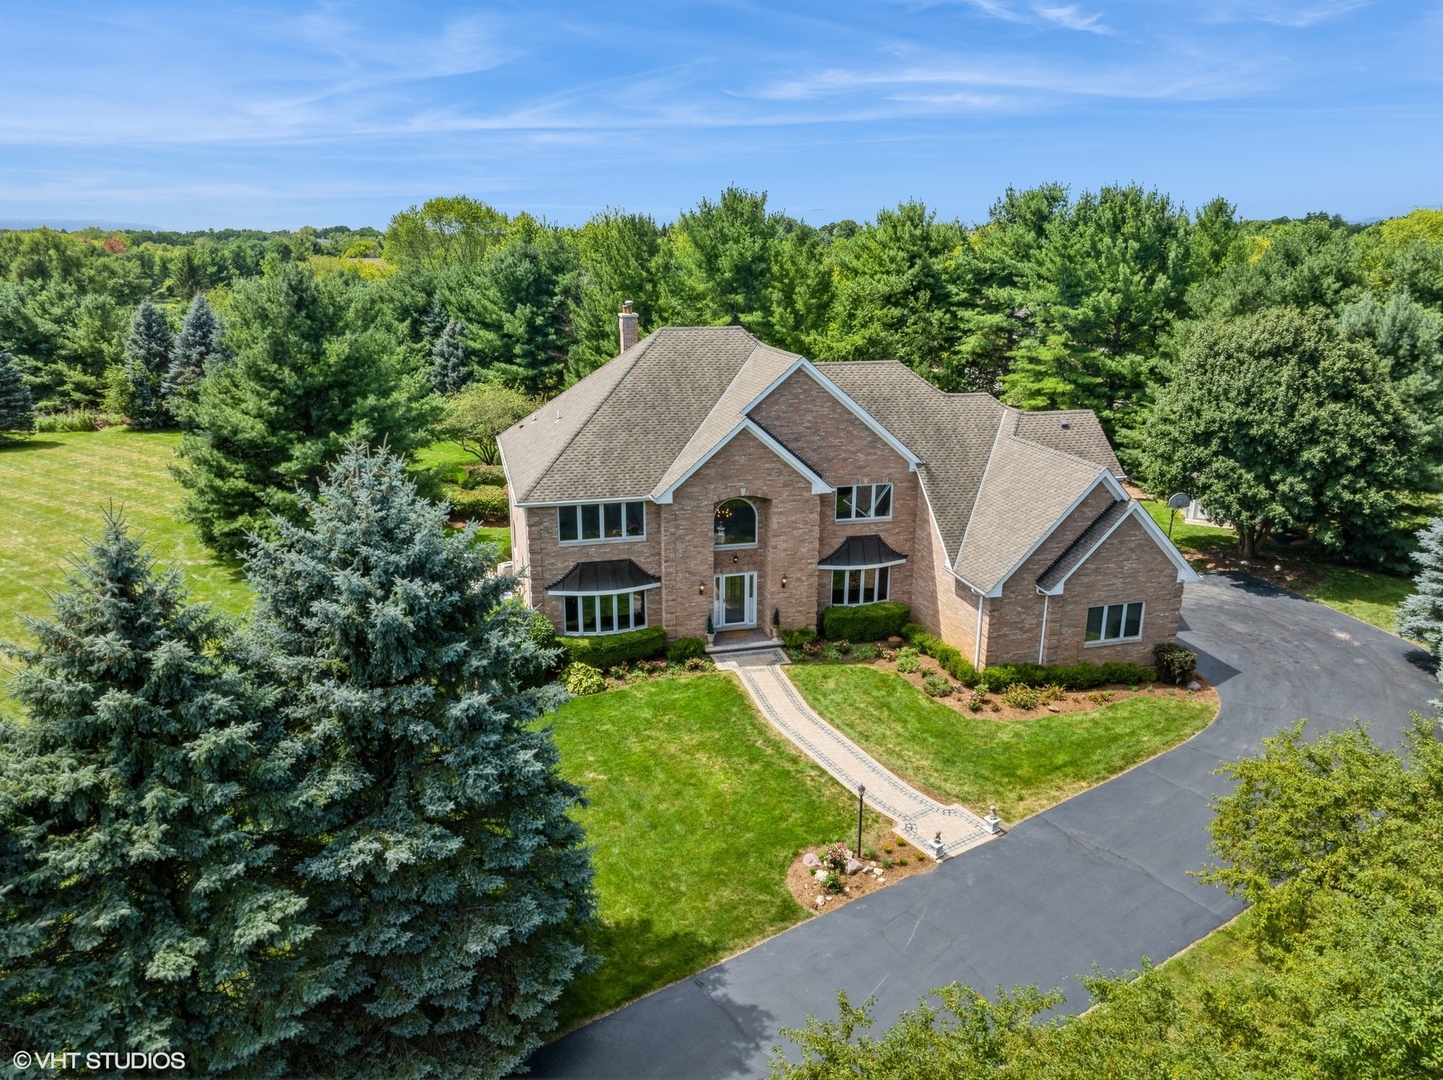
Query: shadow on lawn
(27, 444)
(636, 958)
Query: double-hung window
(605, 613)
(1114, 622)
(865, 585)
(857, 502)
(585, 522)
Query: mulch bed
(993, 707)
(808, 890)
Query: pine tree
(17, 415)
(197, 349)
(449, 370)
(311, 369)
(434, 320)
(427, 822)
(1420, 616)
(147, 356)
(134, 913)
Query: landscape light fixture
(861, 795)
(701, 588)
(784, 581)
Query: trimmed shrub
(802, 635)
(1076, 677)
(580, 679)
(541, 630)
(865, 652)
(608, 650)
(908, 664)
(937, 685)
(1174, 663)
(478, 476)
(482, 504)
(686, 648)
(79, 420)
(1020, 696)
(867, 622)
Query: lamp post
(861, 794)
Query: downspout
(977, 643)
(1042, 641)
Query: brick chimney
(627, 321)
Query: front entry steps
(735, 643)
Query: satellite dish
(1180, 501)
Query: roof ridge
(645, 344)
(982, 483)
(1064, 453)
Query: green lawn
(1022, 766)
(56, 488)
(696, 809)
(1367, 595)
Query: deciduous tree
(479, 413)
(1275, 422)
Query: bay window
(863, 585)
(605, 613)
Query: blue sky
(279, 115)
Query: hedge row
(999, 676)
(480, 504)
(866, 622)
(609, 650)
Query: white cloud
(1070, 16)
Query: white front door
(736, 601)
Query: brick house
(704, 473)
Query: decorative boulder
(811, 860)
(853, 865)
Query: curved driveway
(1102, 877)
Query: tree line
(1118, 300)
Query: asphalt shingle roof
(997, 480)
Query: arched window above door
(736, 524)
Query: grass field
(56, 490)
(1022, 766)
(1367, 595)
(696, 809)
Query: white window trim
(756, 519)
(880, 483)
(1101, 642)
(578, 596)
(602, 539)
(863, 569)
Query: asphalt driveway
(1100, 878)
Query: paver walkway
(914, 816)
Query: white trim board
(819, 486)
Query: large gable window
(736, 524)
(1113, 622)
(859, 501)
(587, 522)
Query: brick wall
(549, 559)
(843, 450)
(940, 602)
(787, 521)
(1128, 566)
(1013, 628)
(521, 551)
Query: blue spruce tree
(433, 320)
(426, 821)
(197, 348)
(449, 369)
(1420, 616)
(147, 357)
(134, 902)
(17, 413)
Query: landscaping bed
(886, 859)
(1019, 763)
